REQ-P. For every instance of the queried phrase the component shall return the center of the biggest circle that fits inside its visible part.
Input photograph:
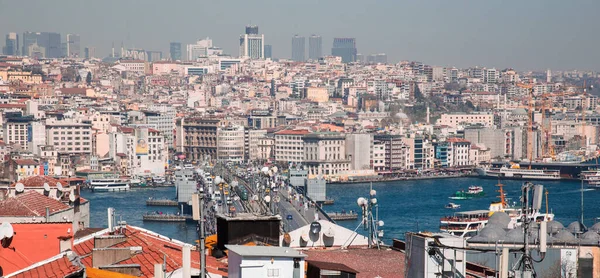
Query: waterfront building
(11, 46)
(315, 44)
(345, 48)
(197, 137)
(458, 152)
(175, 51)
(289, 145)
(298, 48)
(360, 151)
(325, 154)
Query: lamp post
(202, 245)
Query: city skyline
(465, 34)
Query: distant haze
(532, 34)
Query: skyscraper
(175, 51)
(73, 46)
(90, 52)
(314, 47)
(298, 48)
(200, 49)
(268, 51)
(345, 48)
(12, 44)
(252, 44)
(50, 42)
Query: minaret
(113, 50)
(122, 50)
(427, 114)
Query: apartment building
(325, 154)
(69, 136)
(359, 149)
(455, 120)
(458, 152)
(197, 137)
(397, 152)
(289, 146)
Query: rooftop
(30, 204)
(367, 262)
(264, 251)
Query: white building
(359, 149)
(458, 152)
(252, 46)
(136, 66)
(325, 154)
(230, 143)
(200, 49)
(264, 261)
(289, 146)
(69, 136)
(454, 120)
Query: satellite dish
(46, 187)
(19, 187)
(329, 233)
(72, 197)
(315, 228)
(6, 234)
(267, 198)
(304, 237)
(59, 186)
(265, 170)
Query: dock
(328, 202)
(162, 203)
(166, 217)
(339, 216)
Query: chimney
(47, 214)
(110, 219)
(158, 271)
(187, 261)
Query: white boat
(452, 206)
(475, 189)
(469, 223)
(516, 172)
(592, 177)
(109, 184)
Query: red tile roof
(12, 105)
(293, 132)
(73, 91)
(38, 182)
(55, 267)
(30, 204)
(33, 243)
(26, 162)
(368, 262)
(154, 247)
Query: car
(288, 217)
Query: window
(273, 272)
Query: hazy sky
(530, 34)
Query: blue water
(403, 205)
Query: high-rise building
(73, 46)
(175, 51)
(298, 48)
(90, 52)
(268, 51)
(251, 30)
(50, 42)
(252, 44)
(12, 44)
(314, 47)
(380, 58)
(200, 49)
(345, 48)
(154, 56)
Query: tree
(88, 78)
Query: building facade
(298, 48)
(315, 44)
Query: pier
(166, 217)
(328, 202)
(162, 203)
(342, 216)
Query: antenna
(19, 187)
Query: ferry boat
(469, 223)
(473, 192)
(516, 172)
(109, 184)
(452, 206)
(592, 177)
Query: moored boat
(516, 172)
(591, 177)
(109, 184)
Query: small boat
(473, 192)
(452, 206)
